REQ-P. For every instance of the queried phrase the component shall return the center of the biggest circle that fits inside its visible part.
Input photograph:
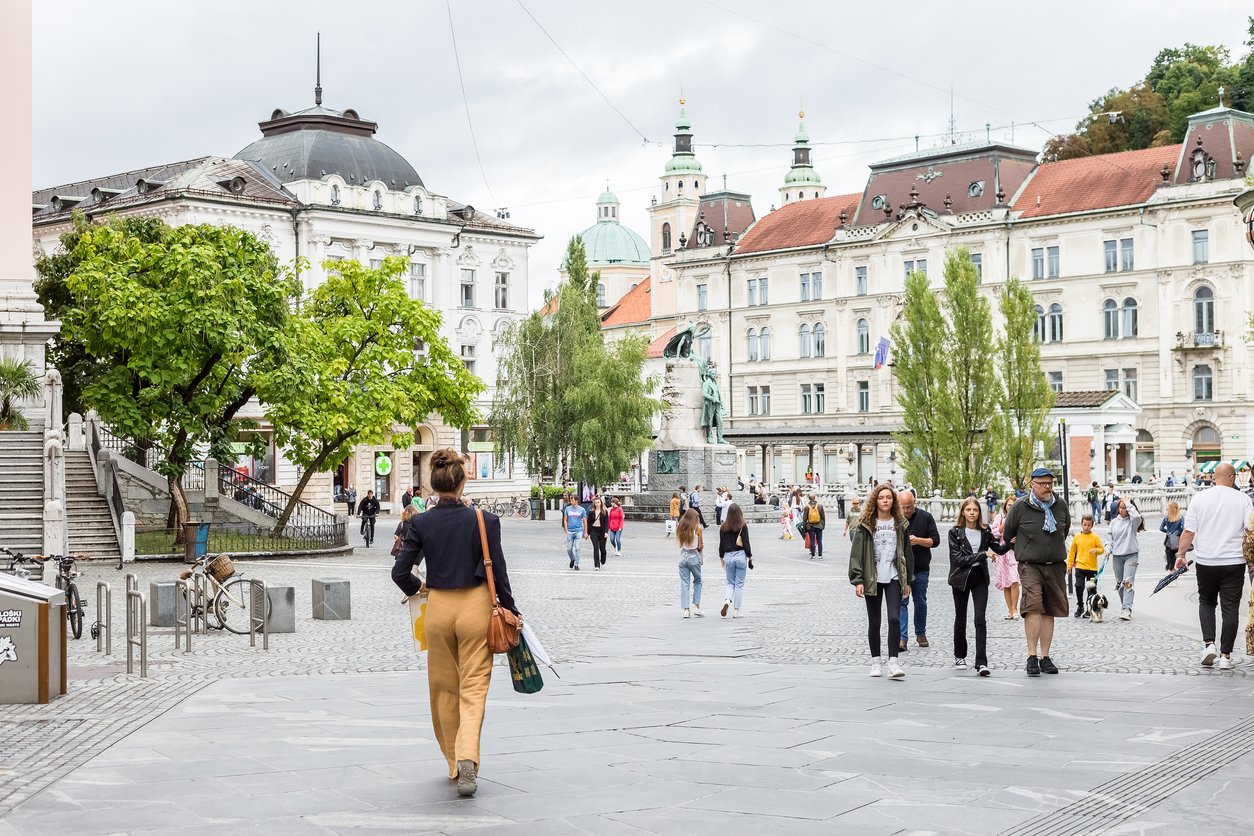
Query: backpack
(1091, 496)
(814, 516)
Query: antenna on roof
(318, 71)
(953, 124)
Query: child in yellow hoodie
(1082, 559)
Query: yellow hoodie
(1079, 556)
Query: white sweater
(1123, 533)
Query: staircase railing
(271, 501)
(106, 482)
(148, 455)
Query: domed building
(618, 253)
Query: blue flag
(881, 353)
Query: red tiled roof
(802, 224)
(1098, 182)
(659, 344)
(635, 307)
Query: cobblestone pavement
(800, 618)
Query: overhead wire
(474, 142)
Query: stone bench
(331, 599)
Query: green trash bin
(196, 537)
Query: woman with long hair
(402, 528)
(597, 529)
(736, 555)
(459, 664)
(970, 546)
(1125, 552)
(691, 541)
(1005, 567)
(1172, 527)
(881, 569)
(617, 517)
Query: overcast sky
(133, 83)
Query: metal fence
(243, 538)
(271, 501)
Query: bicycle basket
(221, 568)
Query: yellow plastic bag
(418, 621)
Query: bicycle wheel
(74, 610)
(233, 606)
(523, 508)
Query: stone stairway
(88, 521)
(22, 491)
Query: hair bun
(444, 458)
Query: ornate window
(601, 295)
(764, 343)
(1053, 323)
(1201, 246)
(1128, 318)
(820, 340)
(864, 337)
(1110, 319)
(1203, 311)
(666, 237)
(502, 291)
(1038, 330)
(805, 346)
(417, 281)
(859, 274)
(1203, 384)
(751, 344)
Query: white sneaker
(1225, 663)
(735, 613)
(687, 614)
(696, 610)
(875, 668)
(1126, 615)
(1208, 655)
(894, 669)
(960, 663)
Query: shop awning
(1239, 464)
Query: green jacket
(862, 557)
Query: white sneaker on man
(1208, 655)
(1126, 615)
(735, 613)
(875, 667)
(696, 610)
(894, 669)
(687, 614)
(1225, 663)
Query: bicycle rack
(257, 620)
(104, 617)
(132, 583)
(183, 622)
(200, 604)
(136, 631)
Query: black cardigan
(727, 542)
(447, 538)
(962, 560)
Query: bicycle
(367, 529)
(522, 507)
(75, 609)
(230, 596)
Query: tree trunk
(313, 468)
(179, 513)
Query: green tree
(967, 404)
(17, 383)
(367, 364)
(922, 375)
(1021, 423)
(612, 408)
(174, 324)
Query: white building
(318, 184)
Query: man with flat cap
(1038, 526)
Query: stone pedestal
(331, 599)
(709, 466)
(161, 603)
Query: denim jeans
(1125, 566)
(1096, 511)
(574, 541)
(918, 594)
(689, 577)
(735, 565)
(616, 540)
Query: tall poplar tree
(1022, 422)
(922, 376)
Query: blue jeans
(616, 540)
(689, 577)
(1125, 575)
(735, 564)
(574, 541)
(918, 594)
(1096, 511)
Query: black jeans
(977, 591)
(890, 594)
(1082, 578)
(597, 536)
(700, 516)
(1171, 558)
(1222, 585)
(816, 541)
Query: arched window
(1110, 319)
(1053, 323)
(751, 344)
(864, 337)
(764, 343)
(805, 348)
(1038, 330)
(820, 340)
(601, 296)
(666, 236)
(1206, 445)
(1203, 384)
(1128, 318)
(1204, 311)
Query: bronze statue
(680, 345)
(712, 411)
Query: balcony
(1199, 340)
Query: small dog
(1095, 602)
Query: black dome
(314, 143)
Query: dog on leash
(1094, 601)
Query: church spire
(802, 181)
(683, 160)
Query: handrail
(105, 484)
(148, 455)
(270, 500)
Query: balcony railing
(1199, 340)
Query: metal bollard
(104, 618)
(132, 582)
(182, 623)
(257, 616)
(136, 632)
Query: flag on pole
(881, 353)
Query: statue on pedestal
(712, 411)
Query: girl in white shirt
(691, 544)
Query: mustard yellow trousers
(459, 669)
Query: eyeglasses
(1043, 482)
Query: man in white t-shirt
(1213, 526)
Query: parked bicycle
(24, 566)
(228, 603)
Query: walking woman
(736, 555)
(616, 526)
(459, 664)
(1006, 568)
(597, 530)
(673, 518)
(881, 568)
(402, 528)
(970, 546)
(1125, 552)
(1172, 527)
(691, 544)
